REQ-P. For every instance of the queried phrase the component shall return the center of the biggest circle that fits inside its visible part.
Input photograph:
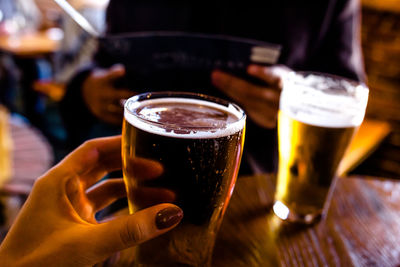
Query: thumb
(271, 75)
(131, 230)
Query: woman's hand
(261, 103)
(101, 96)
(57, 227)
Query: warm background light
(381, 48)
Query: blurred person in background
(321, 36)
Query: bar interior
(212, 133)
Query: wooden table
(32, 156)
(32, 44)
(362, 227)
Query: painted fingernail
(216, 77)
(117, 66)
(168, 217)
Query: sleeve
(340, 51)
(76, 117)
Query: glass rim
(304, 73)
(326, 100)
(189, 95)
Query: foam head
(323, 100)
(184, 117)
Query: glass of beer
(318, 115)
(185, 149)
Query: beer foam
(184, 118)
(325, 101)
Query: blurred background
(381, 49)
(40, 49)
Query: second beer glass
(318, 115)
(186, 149)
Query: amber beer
(192, 146)
(317, 118)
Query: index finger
(93, 159)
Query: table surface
(362, 228)
(32, 156)
(32, 44)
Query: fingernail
(216, 78)
(118, 67)
(168, 217)
(252, 69)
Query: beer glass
(191, 147)
(318, 115)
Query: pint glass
(185, 149)
(318, 115)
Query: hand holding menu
(183, 61)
